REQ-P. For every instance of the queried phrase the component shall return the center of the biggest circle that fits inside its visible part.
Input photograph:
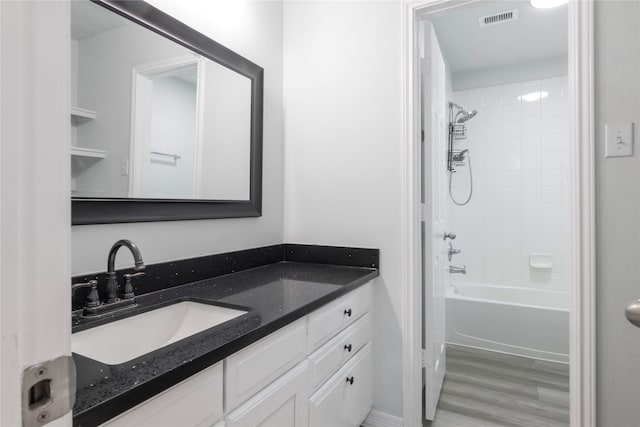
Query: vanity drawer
(340, 402)
(331, 319)
(328, 358)
(253, 368)
(196, 401)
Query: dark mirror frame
(88, 210)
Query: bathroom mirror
(166, 123)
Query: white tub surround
(518, 144)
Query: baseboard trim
(381, 419)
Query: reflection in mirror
(151, 118)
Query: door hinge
(423, 210)
(48, 391)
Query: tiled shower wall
(520, 204)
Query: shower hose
(470, 185)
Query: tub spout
(457, 270)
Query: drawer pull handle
(348, 312)
(350, 380)
(348, 347)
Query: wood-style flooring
(487, 389)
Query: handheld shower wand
(458, 130)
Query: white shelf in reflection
(81, 115)
(88, 152)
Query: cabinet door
(197, 401)
(284, 403)
(251, 369)
(345, 399)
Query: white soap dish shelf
(540, 261)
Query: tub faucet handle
(448, 235)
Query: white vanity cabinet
(315, 372)
(334, 343)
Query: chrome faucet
(112, 281)
(457, 270)
(93, 306)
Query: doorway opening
(481, 187)
(166, 137)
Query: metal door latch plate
(48, 391)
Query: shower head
(466, 115)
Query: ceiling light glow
(547, 4)
(533, 96)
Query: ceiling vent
(498, 18)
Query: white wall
(256, 33)
(342, 91)
(520, 201)
(617, 214)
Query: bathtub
(521, 321)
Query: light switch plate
(618, 140)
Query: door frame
(35, 182)
(582, 165)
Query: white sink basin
(126, 339)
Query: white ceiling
(89, 19)
(537, 34)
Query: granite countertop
(274, 295)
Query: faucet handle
(451, 251)
(93, 299)
(127, 292)
(90, 284)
